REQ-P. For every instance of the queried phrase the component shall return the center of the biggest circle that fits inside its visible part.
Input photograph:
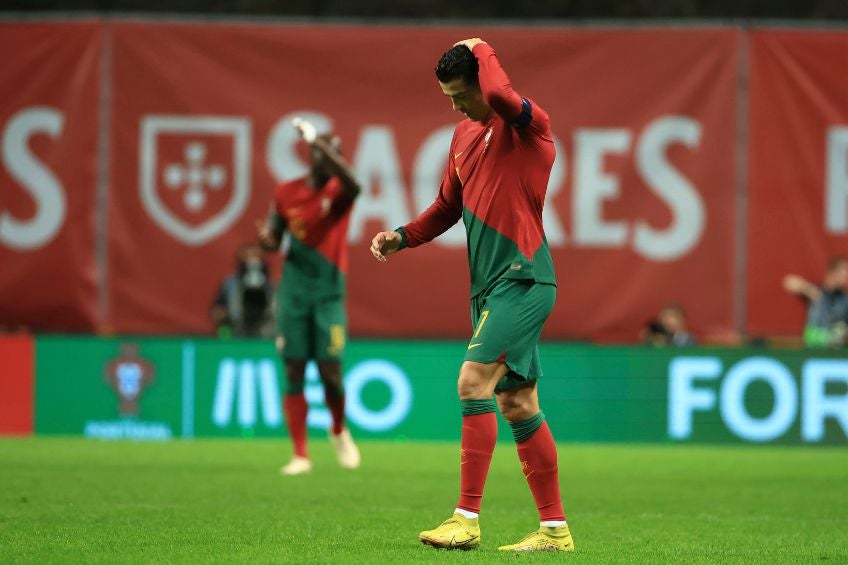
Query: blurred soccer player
(498, 167)
(311, 318)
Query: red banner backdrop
(17, 356)
(641, 201)
(48, 120)
(798, 181)
(640, 209)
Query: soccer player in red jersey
(498, 167)
(311, 316)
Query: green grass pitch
(77, 501)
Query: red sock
(295, 407)
(336, 404)
(479, 434)
(538, 456)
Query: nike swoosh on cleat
(456, 155)
(473, 345)
(453, 542)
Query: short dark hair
(458, 62)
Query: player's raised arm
(329, 147)
(338, 165)
(495, 85)
(800, 286)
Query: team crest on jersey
(195, 173)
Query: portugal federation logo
(129, 374)
(194, 173)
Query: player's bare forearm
(340, 168)
(800, 286)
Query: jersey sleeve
(442, 214)
(519, 112)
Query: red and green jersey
(317, 219)
(496, 180)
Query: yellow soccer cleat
(457, 532)
(557, 538)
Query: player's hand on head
(385, 243)
(307, 130)
(470, 43)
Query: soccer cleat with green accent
(557, 538)
(457, 532)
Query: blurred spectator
(242, 307)
(669, 328)
(827, 304)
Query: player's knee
(465, 389)
(473, 383)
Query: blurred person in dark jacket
(668, 328)
(242, 307)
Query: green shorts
(507, 322)
(312, 327)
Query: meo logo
(248, 387)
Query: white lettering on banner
(319, 416)
(383, 200)
(817, 405)
(34, 177)
(280, 151)
(127, 429)
(836, 175)
(733, 410)
(239, 381)
(673, 188)
(194, 174)
(685, 398)
(377, 165)
(392, 376)
(241, 376)
(592, 186)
